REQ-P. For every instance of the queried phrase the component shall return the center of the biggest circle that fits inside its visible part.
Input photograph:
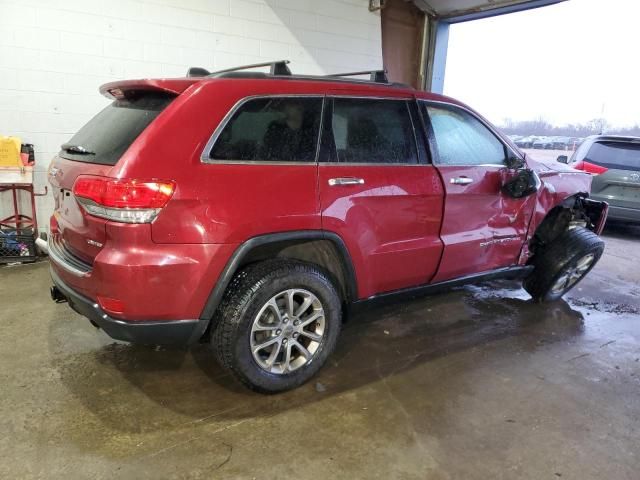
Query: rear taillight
(53, 225)
(591, 168)
(126, 200)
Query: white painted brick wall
(54, 54)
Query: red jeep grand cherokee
(252, 210)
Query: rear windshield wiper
(79, 149)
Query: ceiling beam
(425, 7)
(487, 9)
(494, 10)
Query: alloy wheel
(573, 274)
(288, 331)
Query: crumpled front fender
(563, 189)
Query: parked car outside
(561, 143)
(252, 211)
(575, 143)
(544, 143)
(614, 162)
(525, 142)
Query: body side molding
(512, 273)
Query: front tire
(561, 265)
(277, 324)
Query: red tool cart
(18, 231)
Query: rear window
(108, 135)
(615, 155)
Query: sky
(564, 63)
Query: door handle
(461, 180)
(333, 182)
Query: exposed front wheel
(277, 324)
(562, 264)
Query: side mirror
(523, 184)
(563, 159)
(514, 163)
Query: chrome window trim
(206, 152)
(257, 162)
(482, 122)
(373, 164)
(359, 96)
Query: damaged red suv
(253, 210)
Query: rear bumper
(624, 214)
(160, 282)
(617, 212)
(172, 332)
(598, 211)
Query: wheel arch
(323, 248)
(577, 208)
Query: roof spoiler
(198, 72)
(119, 89)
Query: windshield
(108, 135)
(615, 155)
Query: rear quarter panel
(222, 202)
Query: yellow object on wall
(10, 152)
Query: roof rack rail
(278, 67)
(377, 76)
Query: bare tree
(542, 127)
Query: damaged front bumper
(597, 212)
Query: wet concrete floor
(476, 383)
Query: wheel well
(576, 210)
(321, 252)
(325, 249)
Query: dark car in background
(543, 143)
(566, 143)
(614, 161)
(525, 142)
(561, 143)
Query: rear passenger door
(378, 193)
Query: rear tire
(562, 264)
(277, 324)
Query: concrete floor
(477, 383)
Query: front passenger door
(483, 229)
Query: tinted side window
(373, 131)
(271, 129)
(461, 139)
